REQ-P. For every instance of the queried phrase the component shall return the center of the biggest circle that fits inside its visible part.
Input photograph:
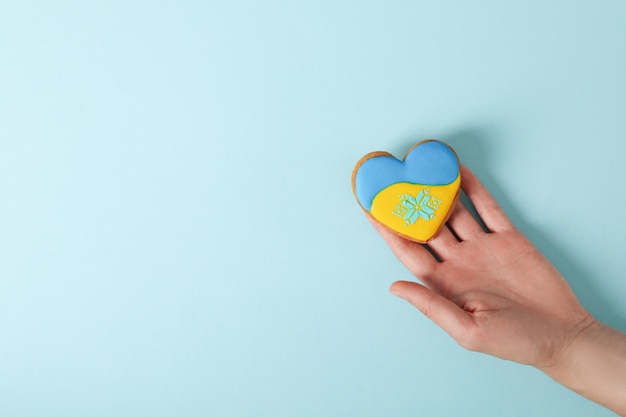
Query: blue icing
(375, 174)
(432, 163)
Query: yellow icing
(415, 210)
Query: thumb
(447, 315)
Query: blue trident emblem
(410, 208)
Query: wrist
(592, 362)
(573, 348)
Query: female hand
(495, 293)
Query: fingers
(444, 243)
(447, 315)
(463, 224)
(486, 206)
(413, 255)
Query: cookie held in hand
(413, 197)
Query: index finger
(487, 207)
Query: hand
(495, 293)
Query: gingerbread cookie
(413, 197)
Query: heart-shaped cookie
(413, 197)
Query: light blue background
(178, 234)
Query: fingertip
(398, 289)
(406, 290)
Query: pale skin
(494, 292)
